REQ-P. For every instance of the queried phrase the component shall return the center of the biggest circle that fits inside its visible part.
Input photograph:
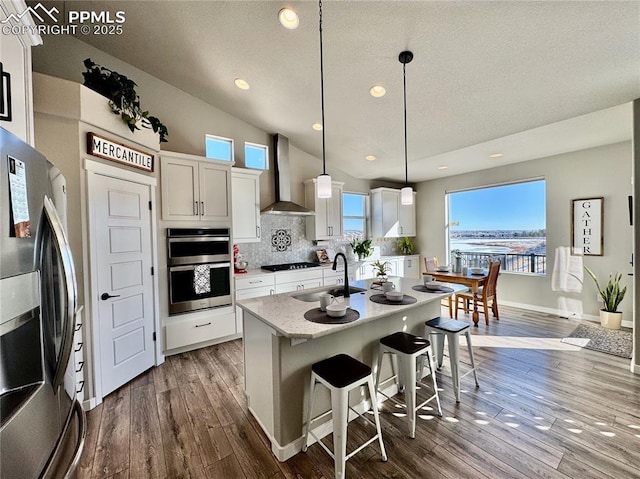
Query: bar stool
(438, 328)
(408, 348)
(340, 374)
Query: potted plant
(611, 296)
(381, 268)
(123, 98)
(405, 245)
(361, 248)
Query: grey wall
(187, 118)
(604, 171)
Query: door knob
(106, 296)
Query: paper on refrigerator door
(18, 198)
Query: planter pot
(610, 320)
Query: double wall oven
(199, 264)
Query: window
(354, 216)
(256, 156)
(505, 222)
(218, 148)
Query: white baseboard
(561, 313)
(289, 450)
(90, 403)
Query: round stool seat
(405, 343)
(341, 370)
(447, 325)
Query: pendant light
(406, 193)
(323, 182)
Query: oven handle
(198, 239)
(191, 267)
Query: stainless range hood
(283, 204)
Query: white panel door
(123, 296)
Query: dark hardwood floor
(542, 411)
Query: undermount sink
(332, 290)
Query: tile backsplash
(284, 241)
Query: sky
(519, 206)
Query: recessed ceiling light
(242, 84)
(443, 167)
(495, 155)
(377, 91)
(317, 126)
(288, 18)
(370, 158)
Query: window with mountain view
(354, 216)
(505, 222)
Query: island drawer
(190, 331)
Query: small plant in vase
(405, 245)
(361, 248)
(611, 296)
(380, 269)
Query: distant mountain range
(507, 234)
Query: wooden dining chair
(487, 293)
(430, 266)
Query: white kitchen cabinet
(409, 266)
(195, 188)
(252, 286)
(327, 222)
(389, 218)
(331, 277)
(365, 271)
(245, 186)
(393, 267)
(190, 329)
(298, 280)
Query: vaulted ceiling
(526, 79)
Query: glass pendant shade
(406, 196)
(324, 186)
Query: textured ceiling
(483, 73)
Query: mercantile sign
(114, 151)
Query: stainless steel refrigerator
(42, 426)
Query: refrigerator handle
(71, 290)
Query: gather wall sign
(586, 226)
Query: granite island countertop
(285, 314)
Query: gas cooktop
(288, 266)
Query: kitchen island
(280, 346)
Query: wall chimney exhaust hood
(283, 204)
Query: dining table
(471, 281)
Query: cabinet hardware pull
(81, 364)
(81, 383)
(201, 325)
(255, 282)
(202, 206)
(78, 327)
(196, 212)
(258, 231)
(78, 348)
